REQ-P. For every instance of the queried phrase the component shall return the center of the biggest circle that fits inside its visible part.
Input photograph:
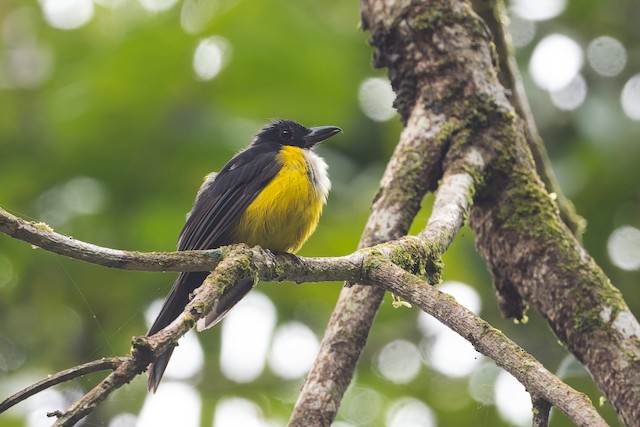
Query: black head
(287, 132)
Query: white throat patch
(318, 173)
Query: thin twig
(60, 377)
(146, 349)
(128, 368)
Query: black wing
(220, 205)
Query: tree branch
(42, 236)
(60, 377)
(146, 349)
(489, 341)
(372, 266)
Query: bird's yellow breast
(286, 212)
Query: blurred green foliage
(118, 102)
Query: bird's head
(288, 132)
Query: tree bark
(493, 14)
(535, 258)
(441, 63)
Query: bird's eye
(286, 135)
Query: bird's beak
(319, 134)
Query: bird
(271, 194)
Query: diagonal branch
(146, 349)
(490, 342)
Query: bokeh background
(111, 112)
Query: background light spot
(79, 196)
(124, 420)
(572, 95)
(599, 120)
(11, 357)
(555, 62)
(246, 333)
(7, 275)
(522, 31)
(188, 358)
(362, 405)
(538, 10)
(67, 14)
(452, 355)
(196, 14)
(482, 383)
(410, 412)
(157, 5)
(174, 404)
(445, 350)
(293, 350)
(624, 248)
(512, 400)
(630, 98)
(399, 361)
(235, 411)
(83, 195)
(463, 294)
(25, 61)
(38, 405)
(210, 57)
(376, 99)
(607, 56)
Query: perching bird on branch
(271, 195)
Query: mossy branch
(494, 15)
(373, 266)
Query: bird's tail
(175, 303)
